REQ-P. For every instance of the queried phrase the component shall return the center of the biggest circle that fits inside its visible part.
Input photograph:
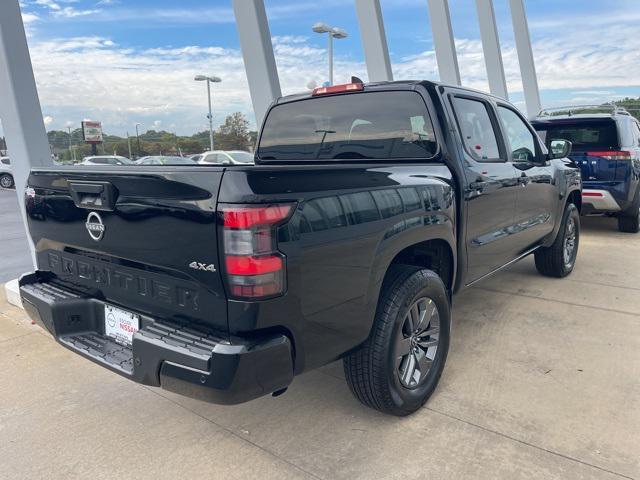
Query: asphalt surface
(15, 258)
(542, 382)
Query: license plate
(120, 324)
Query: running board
(517, 259)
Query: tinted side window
(6, 161)
(477, 130)
(522, 141)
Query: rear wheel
(6, 181)
(559, 259)
(630, 223)
(397, 369)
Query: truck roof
(393, 85)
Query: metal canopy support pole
(374, 40)
(525, 57)
(491, 48)
(443, 41)
(257, 51)
(20, 107)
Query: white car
(6, 176)
(228, 157)
(106, 160)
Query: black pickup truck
(368, 207)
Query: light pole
(334, 32)
(202, 78)
(129, 145)
(70, 150)
(138, 138)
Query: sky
(125, 62)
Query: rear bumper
(594, 200)
(181, 358)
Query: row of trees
(233, 134)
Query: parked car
(6, 175)
(369, 206)
(606, 147)
(231, 157)
(196, 158)
(164, 160)
(106, 160)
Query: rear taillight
(254, 267)
(611, 155)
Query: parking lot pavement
(15, 258)
(542, 381)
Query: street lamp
(138, 138)
(333, 32)
(202, 78)
(70, 150)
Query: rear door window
(476, 128)
(370, 125)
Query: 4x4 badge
(203, 266)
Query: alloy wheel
(569, 248)
(417, 342)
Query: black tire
(629, 222)
(552, 261)
(373, 370)
(6, 180)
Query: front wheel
(559, 259)
(6, 181)
(397, 369)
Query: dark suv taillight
(254, 267)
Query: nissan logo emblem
(94, 226)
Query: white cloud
(95, 77)
(48, 120)
(29, 18)
(49, 4)
(70, 12)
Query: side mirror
(560, 148)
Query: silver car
(6, 176)
(106, 160)
(226, 157)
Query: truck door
(537, 197)
(492, 186)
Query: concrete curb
(13, 293)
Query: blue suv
(606, 147)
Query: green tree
(233, 134)
(632, 105)
(189, 146)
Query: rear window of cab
(368, 125)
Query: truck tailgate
(138, 237)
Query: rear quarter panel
(349, 224)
